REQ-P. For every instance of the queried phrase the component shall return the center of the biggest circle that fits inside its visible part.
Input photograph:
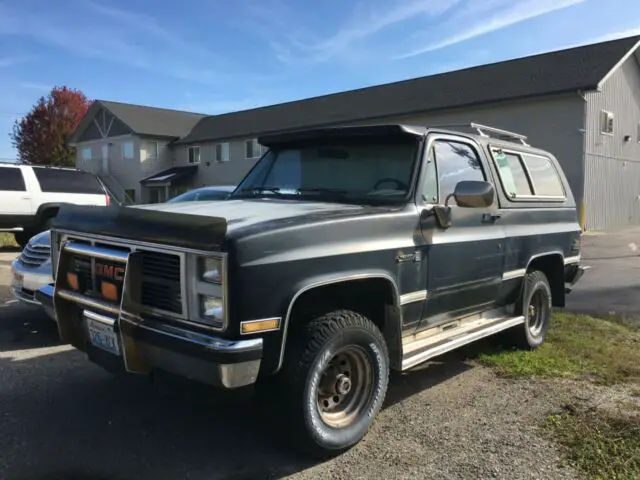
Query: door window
(456, 161)
(11, 180)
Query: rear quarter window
(11, 180)
(544, 176)
(68, 181)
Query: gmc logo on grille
(109, 271)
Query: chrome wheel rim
(536, 313)
(345, 387)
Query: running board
(419, 351)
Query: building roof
(170, 175)
(574, 69)
(143, 120)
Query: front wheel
(335, 381)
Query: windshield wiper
(335, 191)
(275, 190)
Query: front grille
(35, 255)
(160, 283)
(161, 287)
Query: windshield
(200, 195)
(376, 170)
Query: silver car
(32, 269)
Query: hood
(246, 214)
(42, 238)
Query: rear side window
(11, 180)
(67, 181)
(514, 179)
(546, 181)
(455, 162)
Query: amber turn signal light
(109, 291)
(72, 280)
(260, 325)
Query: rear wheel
(535, 305)
(334, 382)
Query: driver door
(464, 261)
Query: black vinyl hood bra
(152, 226)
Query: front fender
(308, 284)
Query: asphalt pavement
(612, 285)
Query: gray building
(582, 104)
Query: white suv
(31, 195)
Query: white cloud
(112, 34)
(597, 39)
(220, 106)
(632, 32)
(293, 44)
(43, 87)
(504, 14)
(6, 62)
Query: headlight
(210, 270)
(212, 309)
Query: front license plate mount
(102, 336)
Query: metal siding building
(612, 161)
(556, 99)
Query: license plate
(17, 280)
(103, 336)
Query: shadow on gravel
(406, 384)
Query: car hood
(264, 213)
(42, 238)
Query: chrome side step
(422, 349)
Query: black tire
(22, 238)
(333, 339)
(535, 305)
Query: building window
(86, 154)
(194, 154)
(222, 152)
(127, 150)
(607, 122)
(253, 148)
(152, 149)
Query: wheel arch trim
(329, 281)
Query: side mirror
(473, 194)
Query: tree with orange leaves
(41, 136)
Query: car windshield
(376, 170)
(200, 195)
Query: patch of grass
(7, 240)
(576, 346)
(602, 445)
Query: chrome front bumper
(152, 344)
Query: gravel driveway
(65, 418)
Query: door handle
(490, 217)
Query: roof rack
(486, 131)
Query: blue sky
(218, 56)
